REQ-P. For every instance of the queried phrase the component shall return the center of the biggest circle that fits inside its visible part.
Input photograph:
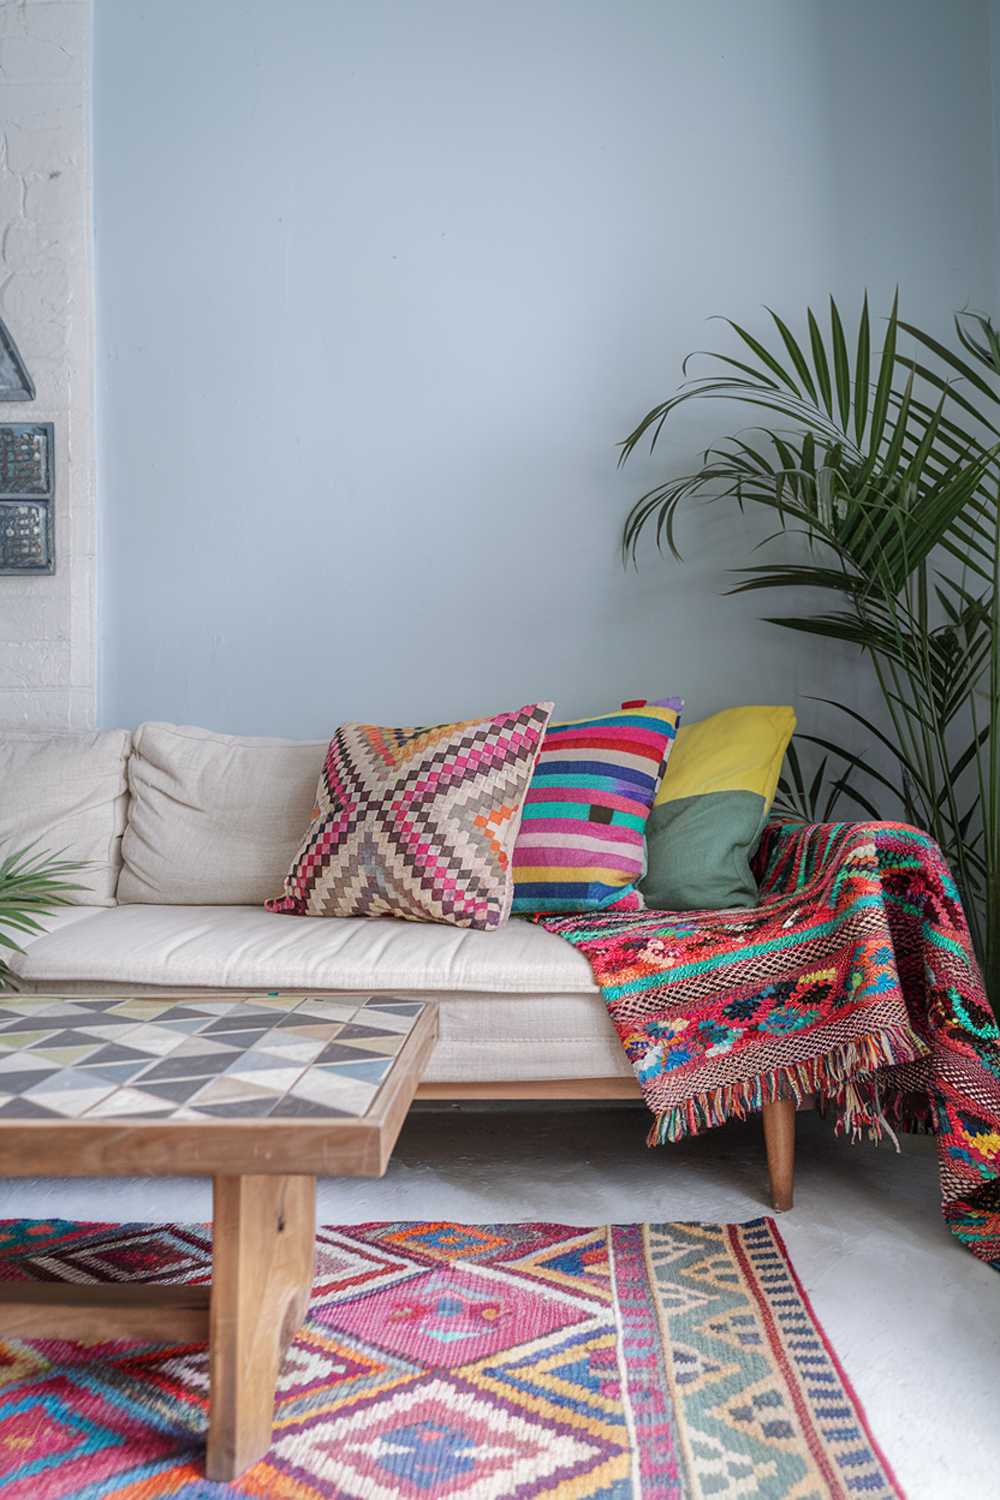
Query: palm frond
(816, 799)
(32, 883)
(888, 462)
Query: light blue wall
(380, 285)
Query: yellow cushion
(711, 809)
(739, 749)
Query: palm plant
(814, 797)
(889, 466)
(31, 885)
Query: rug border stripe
(834, 1360)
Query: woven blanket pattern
(459, 1362)
(853, 980)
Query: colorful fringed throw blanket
(853, 980)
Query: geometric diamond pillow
(417, 823)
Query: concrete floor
(913, 1317)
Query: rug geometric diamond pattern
(458, 1362)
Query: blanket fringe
(914, 1113)
(845, 1077)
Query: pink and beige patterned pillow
(417, 823)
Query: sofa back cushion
(66, 794)
(214, 818)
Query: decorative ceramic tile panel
(197, 1059)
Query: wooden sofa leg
(779, 1139)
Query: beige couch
(187, 832)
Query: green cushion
(699, 850)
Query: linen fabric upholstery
(711, 809)
(581, 845)
(514, 1004)
(214, 818)
(418, 823)
(246, 947)
(66, 795)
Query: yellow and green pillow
(711, 809)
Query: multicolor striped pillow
(581, 845)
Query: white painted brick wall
(48, 625)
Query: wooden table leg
(779, 1140)
(263, 1247)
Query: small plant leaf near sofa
(33, 885)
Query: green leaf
(766, 358)
(950, 358)
(31, 884)
(841, 365)
(795, 353)
(820, 362)
(883, 386)
(862, 375)
(897, 434)
(955, 396)
(858, 762)
(897, 751)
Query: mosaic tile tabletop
(261, 1056)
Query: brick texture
(47, 625)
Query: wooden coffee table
(260, 1092)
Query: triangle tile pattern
(418, 823)
(267, 1056)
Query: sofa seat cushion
(241, 947)
(52, 922)
(515, 1005)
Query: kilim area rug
(466, 1362)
